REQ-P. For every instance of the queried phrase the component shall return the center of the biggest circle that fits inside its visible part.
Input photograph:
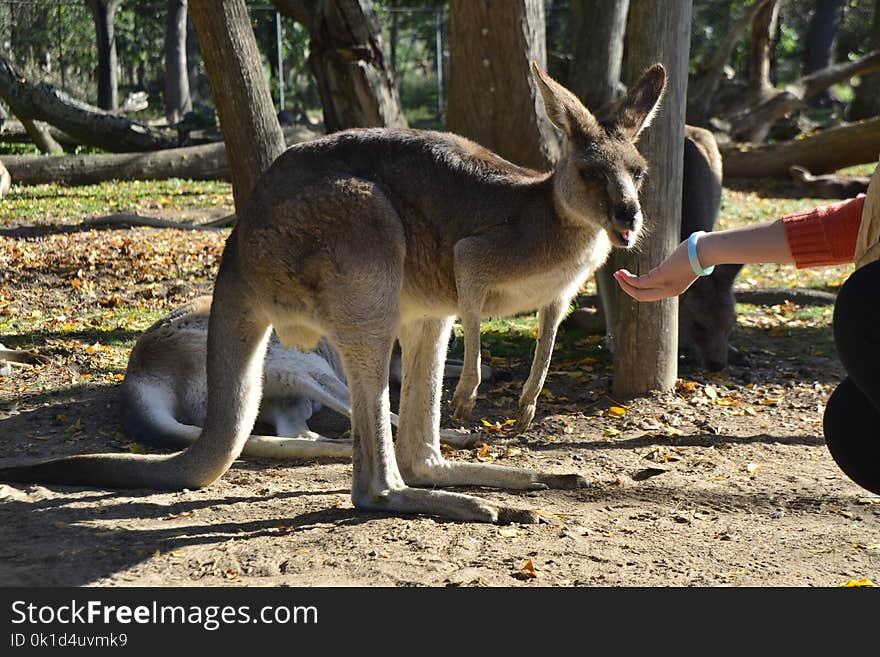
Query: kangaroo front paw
(463, 407)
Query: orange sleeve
(825, 235)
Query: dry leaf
(857, 582)
(647, 473)
(528, 571)
(617, 411)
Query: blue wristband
(699, 270)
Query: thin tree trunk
(103, 12)
(393, 35)
(761, 49)
(177, 100)
(598, 50)
(247, 117)
(347, 57)
(821, 33)
(659, 32)
(867, 95)
(492, 96)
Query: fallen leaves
(857, 583)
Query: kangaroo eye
(639, 175)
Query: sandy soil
(724, 481)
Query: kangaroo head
(600, 171)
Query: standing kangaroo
(369, 235)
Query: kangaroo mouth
(623, 238)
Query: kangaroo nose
(628, 216)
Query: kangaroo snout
(626, 222)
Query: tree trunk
(492, 96)
(84, 123)
(247, 117)
(177, 100)
(103, 12)
(867, 95)
(820, 153)
(598, 50)
(761, 49)
(194, 75)
(658, 32)
(348, 60)
(820, 38)
(205, 162)
(393, 35)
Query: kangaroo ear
(641, 102)
(563, 108)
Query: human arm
(824, 235)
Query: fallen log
(822, 152)
(90, 125)
(829, 185)
(205, 162)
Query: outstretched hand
(668, 279)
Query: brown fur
(368, 235)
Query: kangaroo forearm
(765, 242)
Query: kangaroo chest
(540, 285)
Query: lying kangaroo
(707, 309)
(369, 235)
(164, 391)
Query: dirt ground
(725, 481)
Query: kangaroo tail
(237, 338)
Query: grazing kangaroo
(165, 389)
(369, 235)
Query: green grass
(55, 202)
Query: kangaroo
(707, 309)
(369, 235)
(164, 391)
